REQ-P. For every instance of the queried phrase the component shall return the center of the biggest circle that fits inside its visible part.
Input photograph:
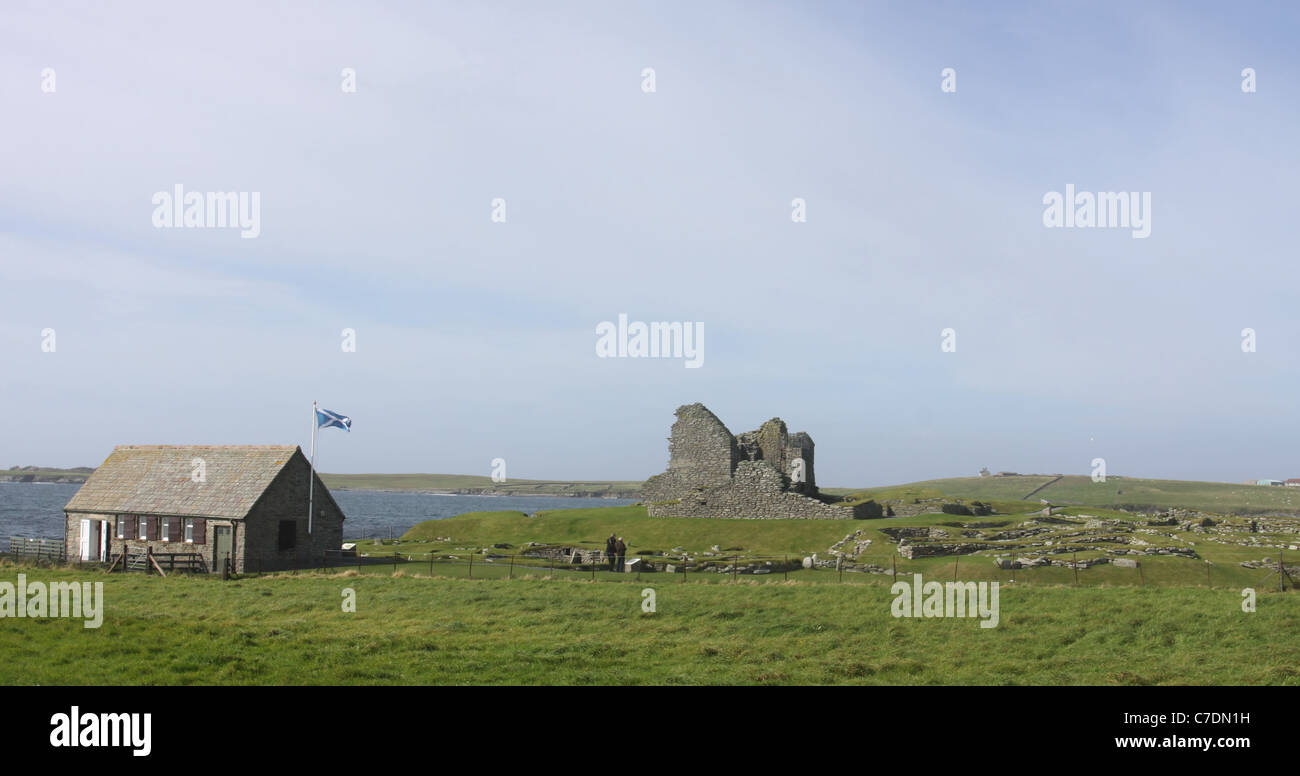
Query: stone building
(766, 473)
(246, 503)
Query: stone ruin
(766, 473)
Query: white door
(89, 542)
(105, 531)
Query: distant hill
(469, 484)
(1117, 492)
(43, 474)
(1129, 493)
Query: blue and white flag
(329, 419)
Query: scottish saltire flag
(330, 419)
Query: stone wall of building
(714, 474)
(286, 499)
(702, 452)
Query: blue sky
(476, 340)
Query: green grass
(469, 533)
(285, 629)
(590, 527)
(1125, 492)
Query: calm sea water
(36, 509)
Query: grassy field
(1120, 492)
(590, 527)
(470, 534)
(290, 629)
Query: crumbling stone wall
(702, 452)
(712, 473)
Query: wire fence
(594, 564)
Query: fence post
(1142, 578)
(1208, 582)
(512, 567)
(324, 560)
(1076, 567)
(893, 563)
(735, 565)
(430, 564)
(839, 561)
(394, 561)
(956, 559)
(471, 565)
(785, 569)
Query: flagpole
(311, 480)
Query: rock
(1124, 563)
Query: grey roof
(156, 480)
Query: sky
(475, 337)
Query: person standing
(611, 551)
(621, 549)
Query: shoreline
(489, 494)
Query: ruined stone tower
(766, 473)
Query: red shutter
(200, 531)
(128, 526)
(175, 529)
(152, 528)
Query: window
(288, 534)
(121, 527)
(189, 530)
(164, 526)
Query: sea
(35, 509)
